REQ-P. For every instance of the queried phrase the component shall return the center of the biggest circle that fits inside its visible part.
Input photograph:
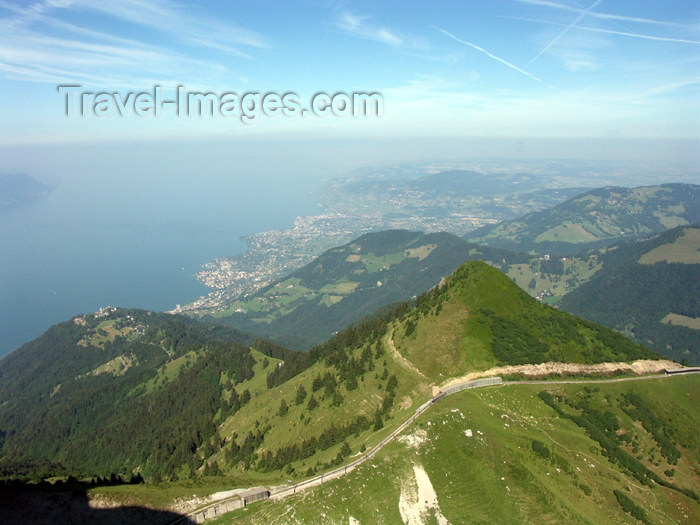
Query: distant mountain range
(443, 196)
(465, 183)
(595, 219)
(655, 304)
(351, 281)
(16, 190)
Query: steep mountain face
(650, 290)
(349, 282)
(595, 219)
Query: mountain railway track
(232, 503)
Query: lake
(131, 238)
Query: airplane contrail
(566, 29)
(526, 73)
(604, 16)
(638, 35)
(608, 31)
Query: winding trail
(401, 359)
(222, 506)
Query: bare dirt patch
(414, 440)
(418, 501)
(640, 367)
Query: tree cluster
(602, 428)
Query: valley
(430, 200)
(344, 283)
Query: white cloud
(443, 106)
(39, 44)
(163, 17)
(357, 26)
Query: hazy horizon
(518, 81)
(513, 68)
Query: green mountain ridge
(76, 394)
(176, 399)
(372, 376)
(127, 390)
(349, 282)
(499, 323)
(595, 219)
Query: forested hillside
(130, 391)
(117, 391)
(649, 290)
(349, 282)
(595, 219)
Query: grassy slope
(596, 218)
(454, 341)
(444, 344)
(681, 246)
(452, 336)
(296, 425)
(299, 423)
(685, 249)
(456, 336)
(549, 286)
(496, 477)
(482, 312)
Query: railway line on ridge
(246, 497)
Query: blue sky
(501, 68)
